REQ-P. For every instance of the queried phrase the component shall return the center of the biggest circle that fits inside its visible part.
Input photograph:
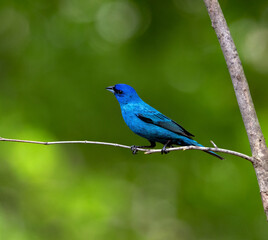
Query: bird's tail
(214, 154)
(191, 142)
(209, 152)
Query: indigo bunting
(149, 123)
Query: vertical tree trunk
(256, 139)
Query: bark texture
(256, 139)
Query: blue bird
(149, 123)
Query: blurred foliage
(57, 57)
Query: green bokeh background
(57, 57)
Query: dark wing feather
(145, 119)
(161, 120)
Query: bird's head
(124, 93)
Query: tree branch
(256, 139)
(146, 151)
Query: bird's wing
(161, 120)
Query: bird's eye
(118, 91)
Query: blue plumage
(149, 123)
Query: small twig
(146, 151)
(213, 144)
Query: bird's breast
(132, 121)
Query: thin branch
(227, 151)
(146, 151)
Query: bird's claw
(164, 151)
(134, 149)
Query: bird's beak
(111, 89)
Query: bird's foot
(164, 151)
(134, 149)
